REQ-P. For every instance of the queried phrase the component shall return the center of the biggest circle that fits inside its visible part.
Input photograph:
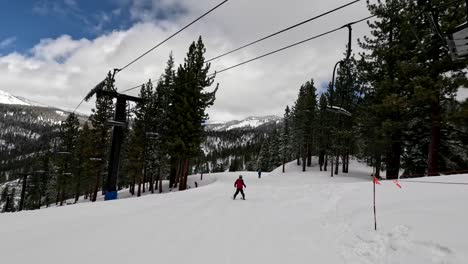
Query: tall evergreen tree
(187, 111)
(389, 50)
(286, 138)
(84, 174)
(304, 121)
(410, 76)
(67, 156)
(161, 134)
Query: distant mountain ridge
(26, 128)
(9, 99)
(249, 122)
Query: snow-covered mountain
(25, 127)
(9, 99)
(249, 122)
(6, 98)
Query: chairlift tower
(118, 124)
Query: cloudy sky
(55, 51)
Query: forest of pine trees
(392, 106)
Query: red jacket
(239, 184)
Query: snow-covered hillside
(6, 98)
(249, 122)
(294, 217)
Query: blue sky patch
(26, 22)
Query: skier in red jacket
(239, 184)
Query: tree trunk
(151, 183)
(393, 157)
(57, 197)
(160, 186)
(184, 174)
(144, 177)
(343, 166)
(331, 166)
(321, 159)
(173, 172)
(158, 175)
(304, 161)
(337, 163)
(62, 196)
(309, 156)
(7, 203)
(283, 163)
(103, 191)
(139, 186)
(326, 162)
(434, 145)
(178, 171)
(180, 174)
(132, 184)
(378, 162)
(77, 189)
(96, 185)
(347, 163)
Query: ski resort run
(295, 217)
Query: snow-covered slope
(6, 98)
(294, 217)
(249, 122)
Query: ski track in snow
(287, 218)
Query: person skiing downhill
(239, 184)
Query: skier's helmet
(240, 176)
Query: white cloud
(7, 42)
(61, 71)
(58, 49)
(117, 11)
(71, 3)
(45, 7)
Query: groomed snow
(294, 217)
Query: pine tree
(274, 151)
(285, 138)
(304, 121)
(322, 130)
(389, 51)
(34, 184)
(67, 155)
(187, 111)
(84, 153)
(437, 76)
(263, 160)
(138, 155)
(409, 76)
(161, 100)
